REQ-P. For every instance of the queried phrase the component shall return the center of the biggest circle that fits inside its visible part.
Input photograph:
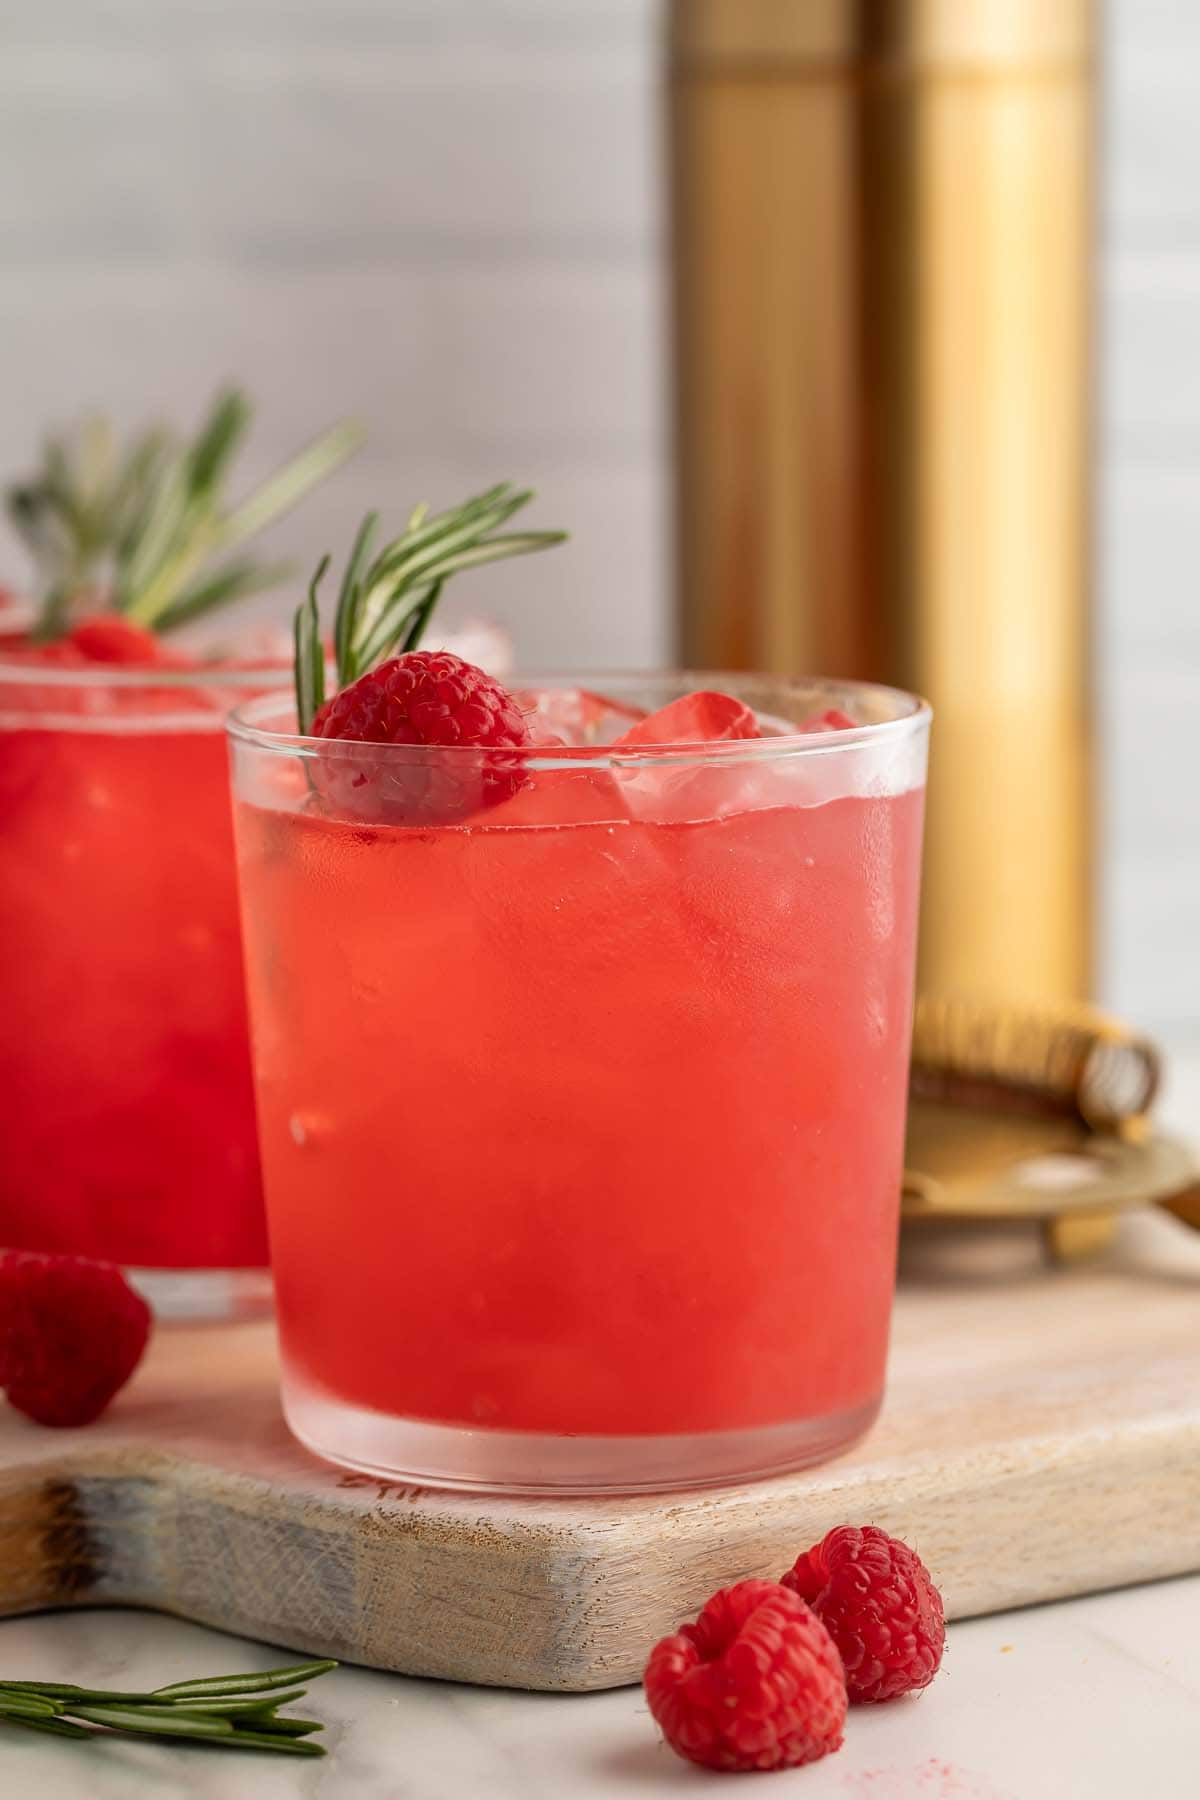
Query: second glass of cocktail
(127, 1130)
(581, 1075)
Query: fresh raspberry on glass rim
(391, 693)
(426, 699)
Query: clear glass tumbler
(582, 1117)
(127, 1127)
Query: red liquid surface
(594, 1128)
(126, 1106)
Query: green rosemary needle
(148, 527)
(385, 601)
(233, 1712)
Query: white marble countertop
(1093, 1699)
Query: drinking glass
(582, 1112)
(127, 1126)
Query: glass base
(416, 1452)
(205, 1296)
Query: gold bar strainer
(1021, 1113)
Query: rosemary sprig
(385, 602)
(234, 1712)
(148, 530)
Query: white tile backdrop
(445, 216)
(1148, 530)
(440, 215)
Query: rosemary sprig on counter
(233, 1712)
(147, 528)
(385, 603)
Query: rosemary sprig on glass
(147, 529)
(385, 602)
(232, 1712)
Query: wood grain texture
(1041, 1438)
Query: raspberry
(426, 699)
(878, 1601)
(755, 1683)
(71, 1334)
(112, 638)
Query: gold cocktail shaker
(882, 220)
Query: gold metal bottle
(882, 214)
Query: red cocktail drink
(582, 1116)
(127, 1128)
(126, 1112)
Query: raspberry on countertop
(879, 1603)
(755, 1683)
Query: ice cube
(543, 739)
(832, 719)
(575, 716)
(682, 789)
(567, 794)
(706, 717)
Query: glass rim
(53, 683)
(146, 678)
(913, 715)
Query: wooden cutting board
(1041, 1438)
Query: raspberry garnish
(755, 1683)
(71, 1334)
(878, 1601)
(423, 698)
(112, 638)
(391, 693)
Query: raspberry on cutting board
(755, 1683)
(71, 1334)
(878, 1601)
